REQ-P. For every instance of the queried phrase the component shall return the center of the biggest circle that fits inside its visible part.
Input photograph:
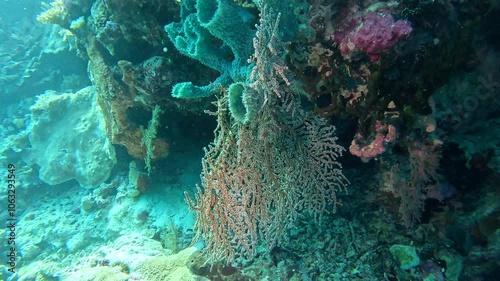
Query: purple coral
(373, 33)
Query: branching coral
(258, 174)
(55, 13)
(257, 177)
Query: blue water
(249, 140)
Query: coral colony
(326, 140)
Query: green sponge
(230, 23)
(244, 102)
(219, 34)
(405, 255)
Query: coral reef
(409, 86)
(114, 100)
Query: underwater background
(250, 140)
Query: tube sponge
(230, 23)
(244, 102)
(193, 40)
(203, 24)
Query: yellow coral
(55, 13)
(171, 267)
(66, 35)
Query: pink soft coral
(373, 33)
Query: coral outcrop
(68, 139)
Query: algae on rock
(148, 135)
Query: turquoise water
(249, 140)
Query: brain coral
(171, 267)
